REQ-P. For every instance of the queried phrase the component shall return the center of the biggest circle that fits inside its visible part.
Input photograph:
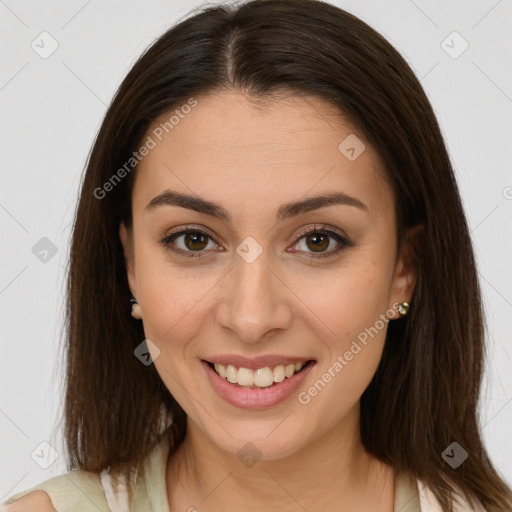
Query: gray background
(51, 109)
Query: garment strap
(428, 502)
(116, 492)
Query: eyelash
(343, 241)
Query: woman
(271, 193)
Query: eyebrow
(285, 211)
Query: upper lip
(254, 363)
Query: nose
(256, 301)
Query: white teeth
(231, 373)
(222, 370)
(262, 377)
(245, 377)
(289, 370)
(279, 373)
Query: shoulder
(75, 490)
(35, 501)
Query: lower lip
(247, 398)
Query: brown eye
(317, 242)
(195, 241)
(188, 242)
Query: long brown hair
(425, 392)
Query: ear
(406, 273)
(127, 242)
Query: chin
(261, 442)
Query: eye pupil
(193, 237)
(316, 244)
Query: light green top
(82, 490)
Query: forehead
(245, 155)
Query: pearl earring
(403, 308)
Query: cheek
(171, 295)
(172, 307)
(352, 312)
(173, 311)
(348, 300)
(351, 307)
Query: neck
(335, 467)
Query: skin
(252, 160)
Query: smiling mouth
(262, 377)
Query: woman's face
(256, 285)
